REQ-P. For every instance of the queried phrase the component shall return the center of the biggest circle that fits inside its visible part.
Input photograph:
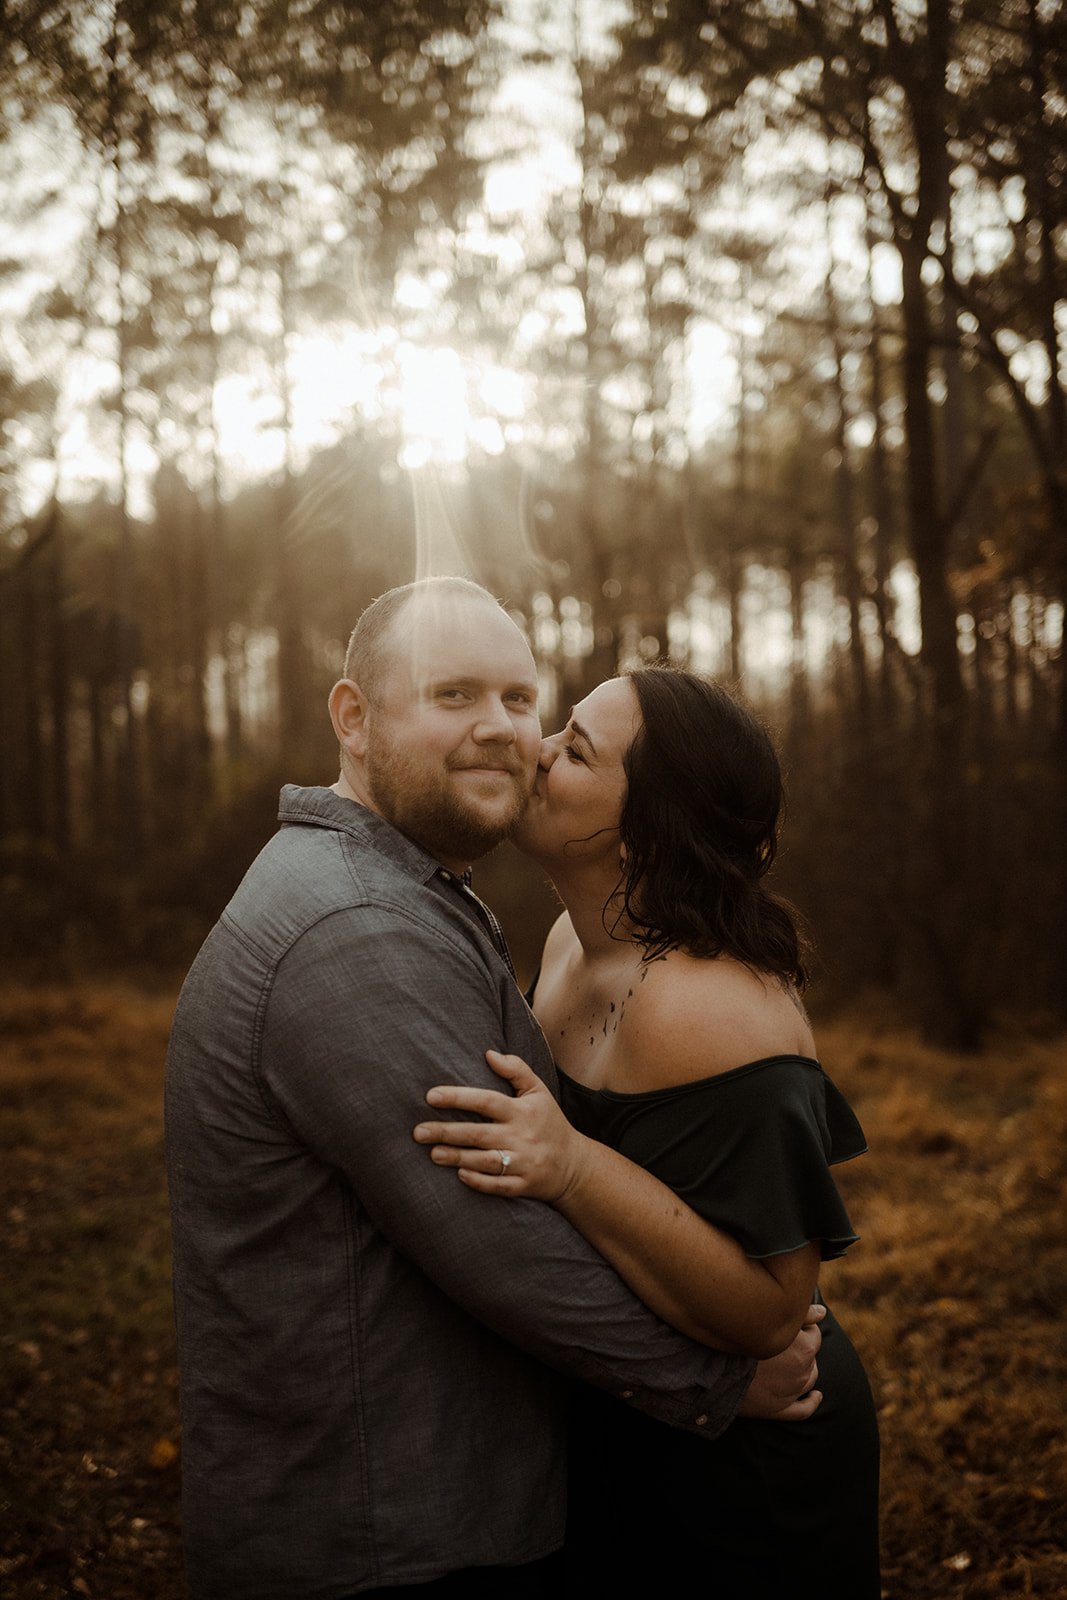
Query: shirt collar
(324, 808)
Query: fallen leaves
(164, 1453)
(954, 1296)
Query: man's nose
(494, 725)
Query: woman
(669, 993)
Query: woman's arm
(692, 1275)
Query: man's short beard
(436, 817)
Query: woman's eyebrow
(582, 734)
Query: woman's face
(581, 784)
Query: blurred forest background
(733, 334)
(728, 333)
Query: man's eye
(573, 754)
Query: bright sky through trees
(735, 332)
(708, 267)
(443, 396)
(413, 369)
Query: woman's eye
(573, 754)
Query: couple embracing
(429, 1243)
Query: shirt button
(702, 1419)
(627, 1394)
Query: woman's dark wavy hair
(699, 827)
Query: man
(369, 1351)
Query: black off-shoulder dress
(769, 1510)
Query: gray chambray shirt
(369, 1351)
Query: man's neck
(347, 792)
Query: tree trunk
(734, 538)
(929, 544)
(1043, 211)
(221, 587)
(799, 704)
(603, 661)
(31, 808)
(129, 822)
(882, 509)
(859, 697)
(292, 699)
(60, 688)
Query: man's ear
(349, 710)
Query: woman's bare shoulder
(693, 1017)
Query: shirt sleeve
(400, 1005)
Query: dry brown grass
(955, 1296)
(88, 1394)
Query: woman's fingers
(526, 1145)
(484, 1170)
(514, 1069)
(485, 1102)
(465, 1135)
(458, 1097)
(488, 1163)
(485, 1183)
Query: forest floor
(955, 1297)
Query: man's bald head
(375, 635)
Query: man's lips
(493, 774)
(508, 769)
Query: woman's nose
(550, 749)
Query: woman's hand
(783, 1389)
(525, 1146)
